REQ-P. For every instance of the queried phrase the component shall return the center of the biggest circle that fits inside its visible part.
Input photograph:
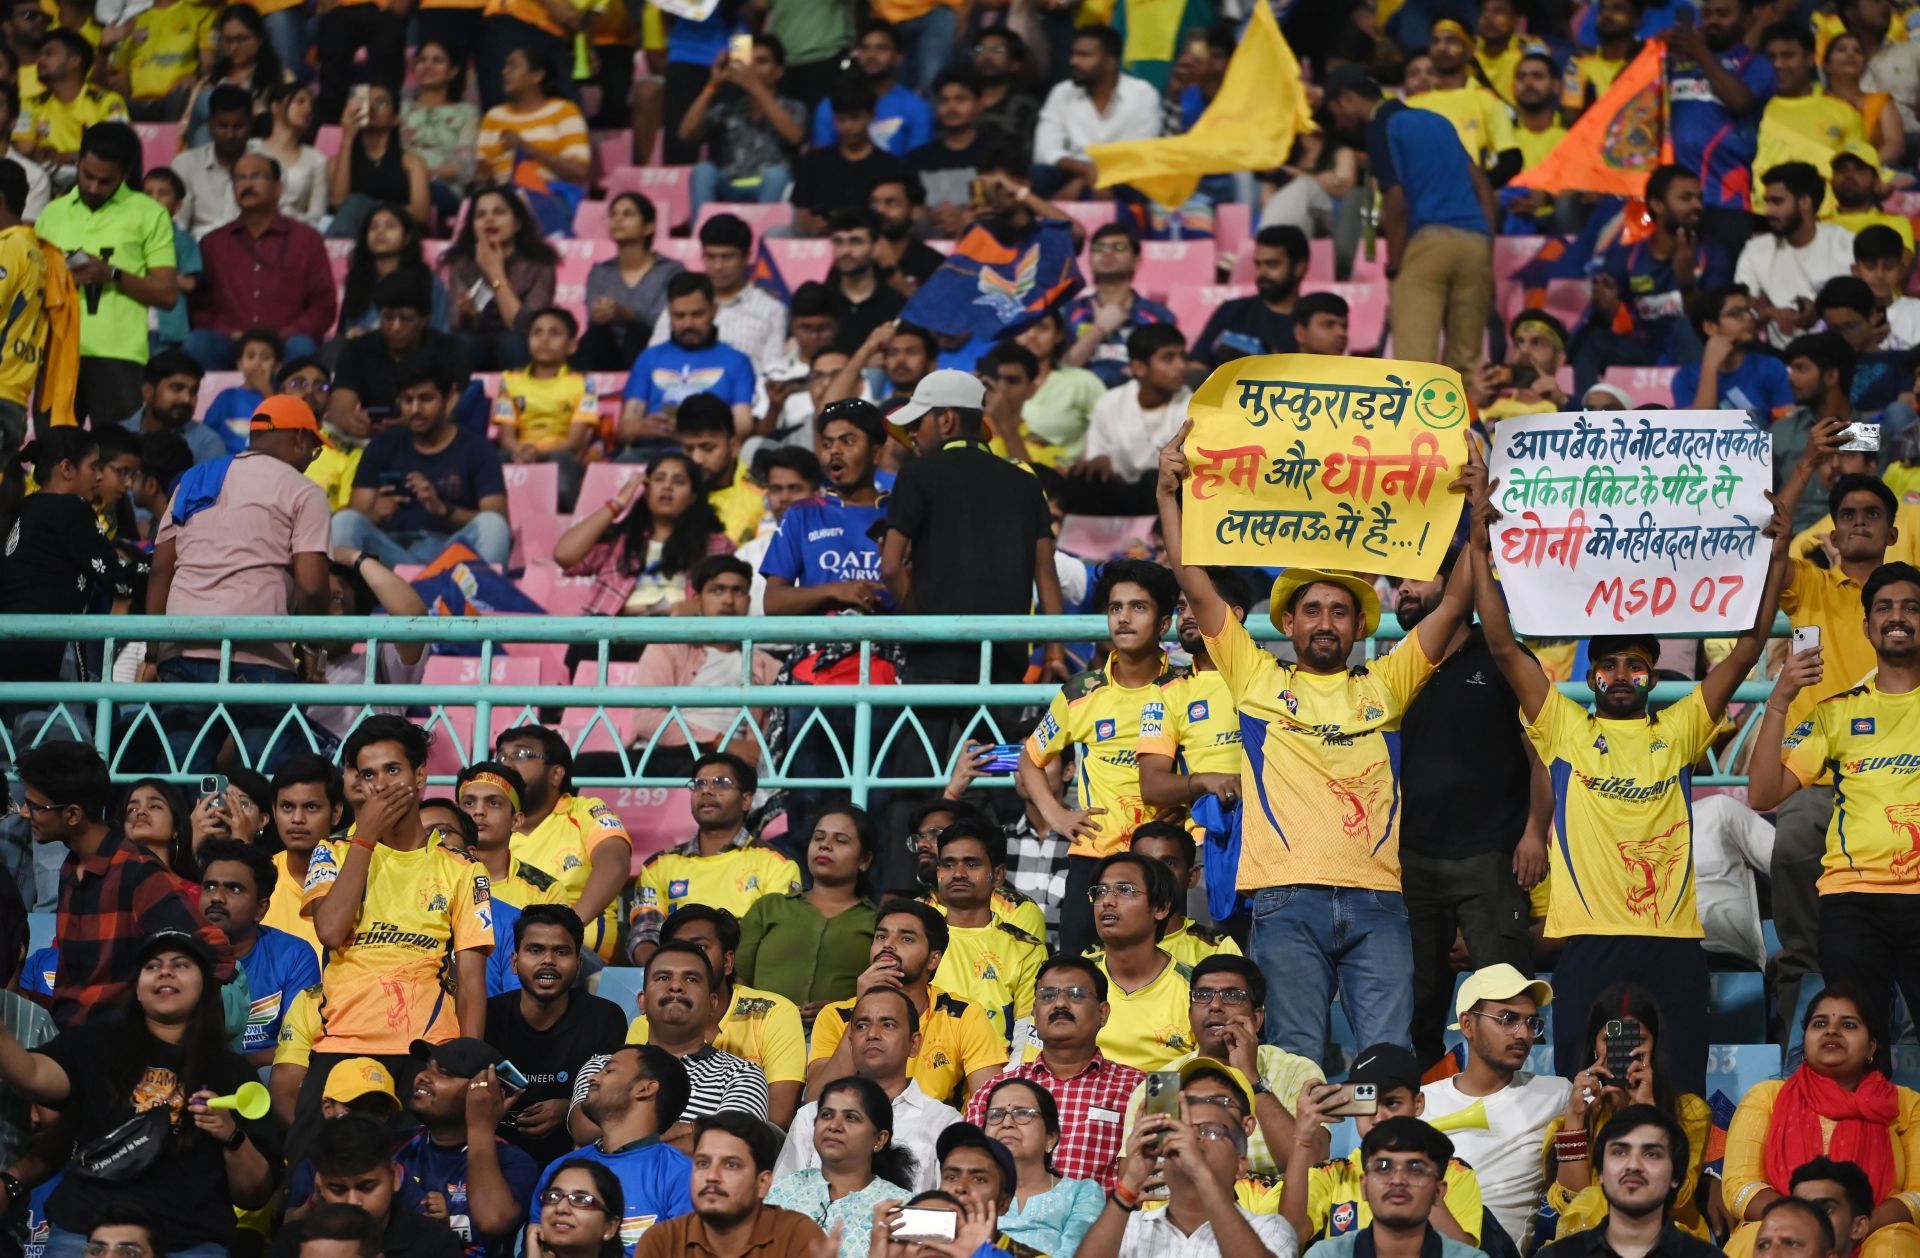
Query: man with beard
(746, 316)
(1482, 121)
(1466, 859)
(1785, 267)
(1855, 171)
(866, 300)
(1820, 370)
(575, 838)
(547, 1028)
(1801, 122)
(1590, 74)
(1729, 374)
(999, 59)
(1063, 1057)
(905, 261)
(1096, 105)
(1326, 882)
(1101, 321)
(237, 880)
(1639, 312)
(988, 961)
(1407, 1164)
(1262, 323)
(900, 121)
(907, 354)
(691, 359)
(1867, 935)
(924, 825)
(638, 1094)
(466, 1175)
(169, 396)
(1622, 894)
(948, 165)
(1718, 88)
(1640, 1157)
(1538, 131)
(733, 1160)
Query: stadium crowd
(309, 306)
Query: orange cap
(283, 412)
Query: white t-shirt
(1780, 273)
(1505, 1154)
(1131, 435)
(1154, 1234)
(1903, 323)
(918, 1120)
(351, 670)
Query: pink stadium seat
(590, 221)
(212, 385)
(1366, 312)
(453, 748)
(1194, 304)
(1165, 263)
(1320, 262)
(431, 250)
(801, 260)
(572, 298)
(1233, 226)
(614, 149)
(1510, 253)
(159, 142)
(603, 481)
(551, 655)
(327, 140)
(533, 492)
(655, 817)
(1101, 537)
(666, 186)
(574, 721)
(684, 250)
(758, 217)
(1567, 301)
(1643, 384)
(548, 586)
(1089, 214)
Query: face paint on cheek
(1641, 676)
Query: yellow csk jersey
(1321, 788)
(394, 983)
(993, 966)
(1482, 120)
(730, 880)
(1870, 741)
(1101, 720)
(763, 1027)
(1194, 723)
(162, 51)
(1810, 128)
(956, 1040)
(1859, 222)
(1500, 67)
(1586, 80)
(1337, 1198)
(1190, 944)
(48, 123)
(1535, 146)
(524, 885)
(1829, 598)
(563, 844)
(333, 470)
(23, 336)
(1621, 851)
(542, 410)
(1011, 906)
(1905, 548)
(283, 908)
(299, 1029)
(1148, 1028)
(1827, 25)
(740, 506)
(1284, 1073)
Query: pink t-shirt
(235, 558)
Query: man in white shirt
(885, 1034)
(1096, 105)
(39, 186)
(1499, 1010)
(208, 169)
(1116, 472)
(1785, 267)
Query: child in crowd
(549, 413)
(169, 327)
(231, 414)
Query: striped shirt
(720, 1081)
(555, 129)
(752, 321)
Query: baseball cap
(356, 1077)
(177, 941)
(1294, 579)
(283, 412)
(1499, 982)
(1351, 77)
(463, 1058)
(1213, 1065)
(1860, 151)
(1386, 1066)
(937, 390)
(965, 1135)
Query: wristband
(369, 844)
(1120, 1196)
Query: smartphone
(362, 99)
(1623, 1036)
(510, 1075)
(999, 758)
(1522, 375)
(1361, 1098)
(1863, 437)
(214, 787)
(740, 50)
(393, 480)
(925, 1225)
(1806, 638)
(1163, 1093)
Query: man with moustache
(1718, 89)
(1406, 1165)
(1784, 268)
(733, 1158)
(471, 1179)
(1262, 323)
(1640, 1157)
(237, 882)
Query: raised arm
(1522, 671)
(1717, 690)
(1209, 609)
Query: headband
(1448, 24)
(494, 779)
(1553, 333)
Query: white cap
(939, 390)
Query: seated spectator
(644, 542)
(51, 120)
(1100, 322)
(207, 169)
(155, 817)
(262, 269)
(1846, 306)
(1130, 423)
(257, 362)
(1880, 257)
(791, 475)
(353, 1165)
(154, 66)
(1820, 369)
(535, 142)
(1730, 374)
(999, 64)
(126, 1232)
(1096, 105)
(1801, 123)
(691, 359)
(39, 187)
(1856, 178)
(905, 260)
(752, 133)
(584, 1209)
(627, 293)
(119, 474)
(170, 326)
(1784, 267)
(245, 58)
(842, 172)
(1842, 1191)
(733, 1156)
(389, 242)
(704, 427)
(325, 1231)
(810, 943)
(364, 390)
(851, 1131)
(720, 585)
(1837, 1104)
(458, 1155)
(1048, 1212)
(1843, 67)
(900, 120)
(373, 166)
(169, 395)
(1055, 419)
(303, 168)
(907, 355)
(549, 413)
(1640, 1157)
(440, 126)
(864, 299)
(427, 483)
(1528, 382)
(500, 271)
(946, 165)
(1320, 323)
(1262, 323)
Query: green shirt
(1060, 411)
(136, 228)
(812, 30)
(786, 946)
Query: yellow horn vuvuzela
(1472, 1118)
(252, 1101)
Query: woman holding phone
(860, 1165)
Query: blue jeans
(287, 32)
(1327, 939)
(488, 534)
(215, 350)
(926, 47)
(184, 722)
(74, 1245)
(706, 185)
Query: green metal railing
(886, 725)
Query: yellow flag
(1251, 124)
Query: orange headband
(494, 779)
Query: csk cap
(356, 1077)
(1293, 580)
(1499, 982)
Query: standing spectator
(1262, 323)
(262, 270)
(462, 1168)
(245, 59)
(690, 359)
(1096, 105)
(1730, 373)
(1719, 88)
(153, 67)
(536, 143)
(237, 882)
(303, 168)
(52, 120)
(341, 34)
(752, 133)
(844, 173)
(373, 166)
(1101, 322)
(365, 391)
(574, 836)
(627, 292)
(426, 483)
(103, 216)
(816, 37)
(23, 271)
(500, 272)
(437, 123)
(901, 120)
(388, 243)
(170, 326)
(946, 164)
(39, 189)
(1436, 213)
(127, 897)
(866, 300)
(999, 62)
(543, 29)
(1407, 1166)
(1130, 423)
(169, 395)
(1785, 267)
(733, 1158)
(641, 545)
(1060, 411)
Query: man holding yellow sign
(1319, 836)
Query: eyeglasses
(1214, 1131)
(1508, 1020)
(710, 786)
(33, 810)
(525, 753)
(1018, 1115)
(578, 1198)
(1047, 995)
(1228, 996)
(1120, 890)
(1412, 1172)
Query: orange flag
(1619, 140)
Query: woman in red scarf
(1837, 1105)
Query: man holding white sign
(1621, 851)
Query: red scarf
(1862, 1132)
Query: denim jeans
(74, 1245)
(1327, 939)
(184, 722)
(287, 32)
(926, 47)
(706, 186)
(215, 352)
(488, 534)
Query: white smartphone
(1863, 437)
(1806, 638)
(925, 1225)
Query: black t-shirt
(1242, 328)
(1464, 726)
(825, 180)
(551, 1058)
(409, 1235)
(186, 1189)
(919, 261)
(859, 319)
(947, 174)
(54, 561)
(369, 368)
(464, 472)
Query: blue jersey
(231, 415)
(823, 540)
(1651, 294)
(39, 1227)
(902, 122)
(436, 1168)
(654, 1178)
(1758, 385)
(667, 375)
(501, 976)
(280, 967)
(36, 972)
(1711, 139)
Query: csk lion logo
(1905, 819)
(1359, 795)
(1632, 140)
(1652, 863)
(1008, 297)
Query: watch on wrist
(239, 1137)
(1260, 1088)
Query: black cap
(178, 941)
(1386, 1066)
(967, 1136)
(1351, 77)
(462, 1058)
